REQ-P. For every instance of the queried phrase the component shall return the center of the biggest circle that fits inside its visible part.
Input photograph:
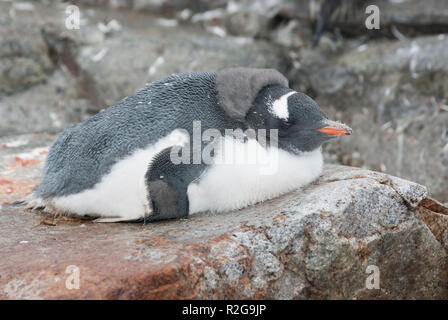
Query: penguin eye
(285, 124)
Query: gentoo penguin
(126, 163)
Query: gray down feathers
(238, 87)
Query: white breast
(231, 185)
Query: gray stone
(24, 59)
(394, 96)
(49, 107)
(135, 57)
(412, 17)
(77, 73)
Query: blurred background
(389, 84)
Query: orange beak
(334, 128)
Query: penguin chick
(123, 163)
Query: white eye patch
(279, 107)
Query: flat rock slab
(314, 243)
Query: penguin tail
(19, 203)
(34, 202)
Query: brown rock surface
(313, 243)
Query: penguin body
(117, 165)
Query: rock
(241, 18)
(315, 243)
(410, 17)
(92, 69)
(49, 107)
(292, 34)
(394, 96)
(119, 68)
(36, 93)
(159, 6)
(23, 54)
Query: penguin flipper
(20, 203)
(167, 186)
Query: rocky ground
(389, 85)
(316, 243)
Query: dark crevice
(434, 206)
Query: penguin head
(302, 126)
(262, 99)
